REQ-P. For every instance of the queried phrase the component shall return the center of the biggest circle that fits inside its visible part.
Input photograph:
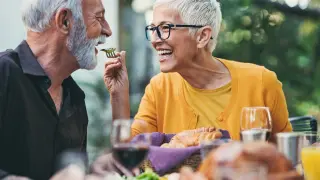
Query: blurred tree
(284, 43)
(99, 127)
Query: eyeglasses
(163, 30)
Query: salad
(147, 175)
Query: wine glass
(255, 124)
(127, 150)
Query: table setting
(212, 153)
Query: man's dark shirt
(32, 133)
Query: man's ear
(63, 20)
(204, 35)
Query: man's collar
(30, 66)
(28, 61)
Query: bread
(173, 145)
(193, 137)
(236, 154)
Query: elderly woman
(195, 89)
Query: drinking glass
(290, 145)
(127, 150)
(310, 155)
(255, 124)
(311, 138)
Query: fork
(110, 52)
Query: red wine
(268, 134)
(130, 157)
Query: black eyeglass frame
(152, 28)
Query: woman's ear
(63, 20)
(204, 36)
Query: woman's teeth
(164, 52)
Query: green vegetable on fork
(110, 52)
(147, 175)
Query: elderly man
(42, 110)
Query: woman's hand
(116, 80)
(116, 75)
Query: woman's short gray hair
(37, 14)
(198, 12)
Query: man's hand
(74, 172)
(70, 172)
(116, 75)
(106, 163)
(12, 177)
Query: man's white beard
(82, 48)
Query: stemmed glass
(255, 124)
(127, 150)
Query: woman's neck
(206, 72)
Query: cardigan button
(220, 117)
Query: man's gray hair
(37, 14)
(198, 12)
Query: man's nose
(106, 30)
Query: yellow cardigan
(164, 108)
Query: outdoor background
(284, 37)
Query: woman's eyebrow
(162, 22)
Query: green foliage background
(284, 43)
